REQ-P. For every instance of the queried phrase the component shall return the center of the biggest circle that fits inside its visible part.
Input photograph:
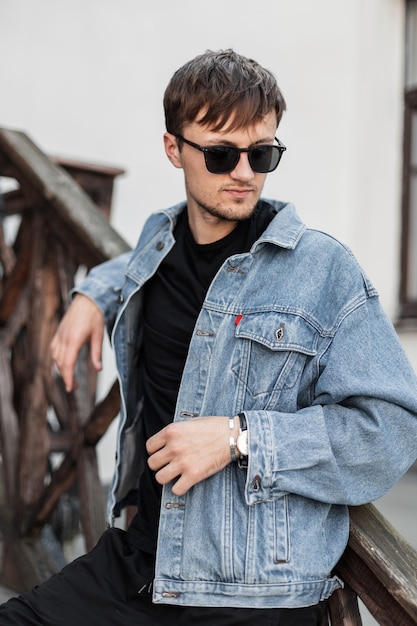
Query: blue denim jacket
(291, 333)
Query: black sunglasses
(223, 159)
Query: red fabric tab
(238, 319)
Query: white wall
(85, 79)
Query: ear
(172, 150)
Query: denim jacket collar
(285, 230)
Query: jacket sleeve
(103, 285)
(359, 434)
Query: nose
(243, 170)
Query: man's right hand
(82, 323)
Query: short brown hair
(226, 87)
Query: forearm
(335, 454)
(103, 285)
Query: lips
(239, 192)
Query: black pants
(102, 588)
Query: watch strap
(232, 442)
(242, 421)
(243, 426)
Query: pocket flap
(279, 331)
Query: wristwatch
(242, 444)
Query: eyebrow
(215, 142)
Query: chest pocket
(270, 354)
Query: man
(263, 388)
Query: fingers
(158, 441)
(177, 453)
(162, 450)
(82, 323)
(64, 355)
(166, 458)
(169, 469)
(96, 346)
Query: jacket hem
(211, 594)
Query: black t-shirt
(173, 300)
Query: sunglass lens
(221, 159)
(264, 159)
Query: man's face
(221, 200)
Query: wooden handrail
(381, 567)
(52, 184)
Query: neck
(207, 228)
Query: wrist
(238, 442)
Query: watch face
(242, 443)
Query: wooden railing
(380, 567)
(47, 436)
(61, 229)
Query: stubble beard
(237, 211)
(228, 213)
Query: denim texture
(293, 334)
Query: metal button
(256, 483)
(279, 334)
(160, 245)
